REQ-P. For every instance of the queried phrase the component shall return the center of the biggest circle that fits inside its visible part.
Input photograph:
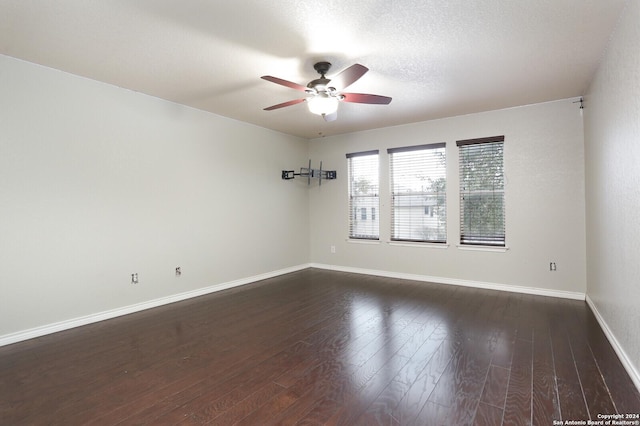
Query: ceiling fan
(325, 94)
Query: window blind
(418, 193)
(482, 207)
(364, 199)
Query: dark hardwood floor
(318, 347)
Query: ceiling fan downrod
(320, 84)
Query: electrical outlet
(134, 278)
(333, 249)
(178, 271)
(552, 266)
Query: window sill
(483, 248)
(416, 244)
(363, 241)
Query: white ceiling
(435, 58)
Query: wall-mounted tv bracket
(310, 173)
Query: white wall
(544, 167)
(612, 140)
(97, 182)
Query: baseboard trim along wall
(126, 310)
(455, 281)
(101, 316)
(622, 355)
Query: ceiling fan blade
(285, 104)
(348, 76)
(286, 83)
(330, 117)
(363, 98)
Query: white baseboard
(622, 355)
(101, 316)
(113, 313)
(454, 281)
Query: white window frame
(418, 176)
(485, 225)
(364, 183)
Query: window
(363, 195)
(482, 191)
(418, 193)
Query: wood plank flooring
(318, 347)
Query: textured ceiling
(434, 58)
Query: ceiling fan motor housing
(322, 67)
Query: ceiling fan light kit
(323, 104)
(324, 99)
